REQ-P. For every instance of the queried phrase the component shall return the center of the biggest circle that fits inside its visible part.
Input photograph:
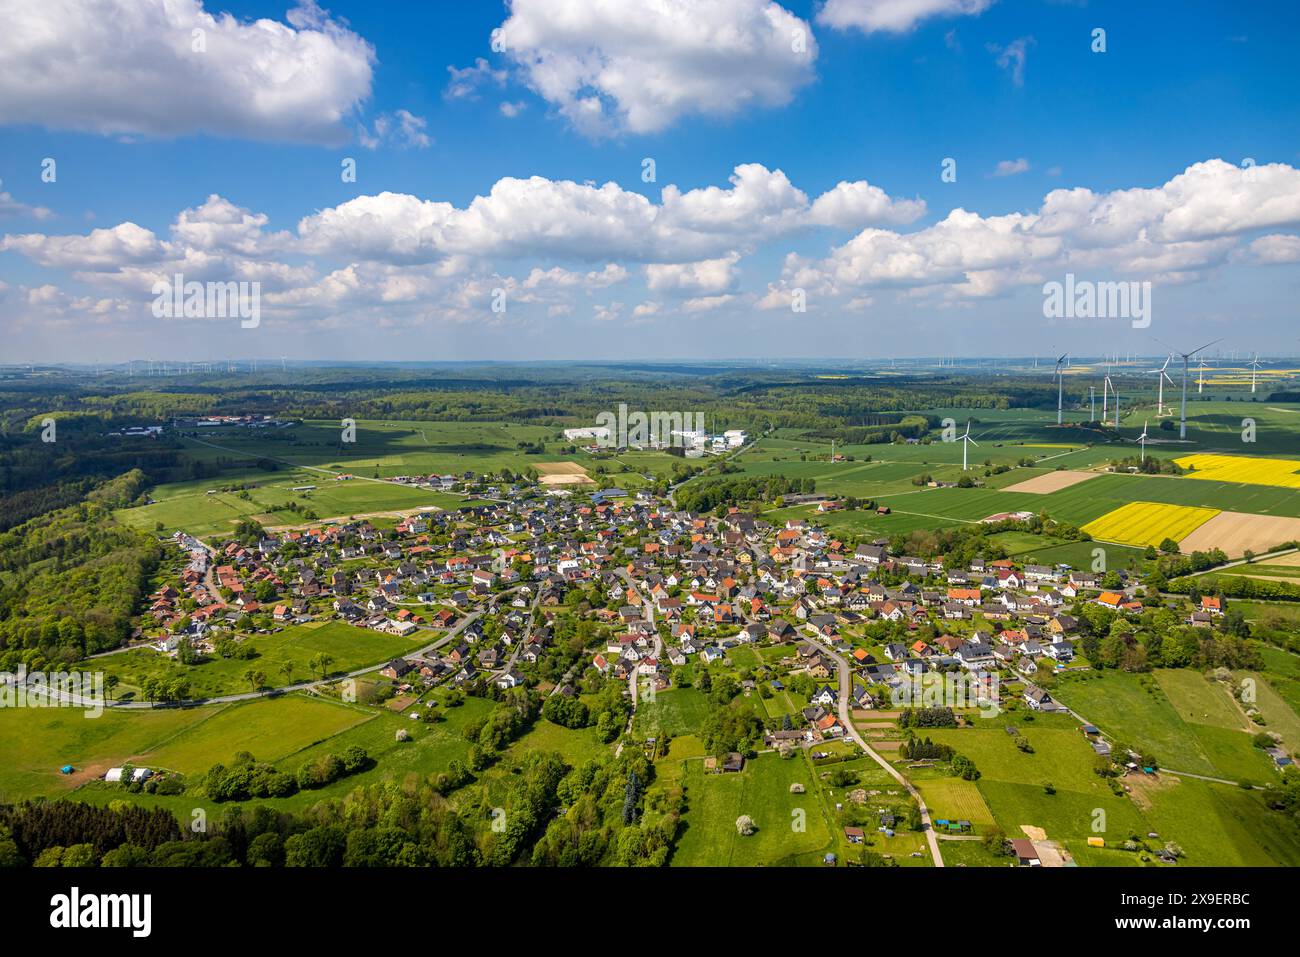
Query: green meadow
(762, 790)
(351, 648)
(1182, 718)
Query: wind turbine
(966, 441)
(1105, 394)
(1060, 389)
(1092, 403)
(1143, 439)
(1161, 376)
(1186, 356)
(1200, 382)
(1254, 368)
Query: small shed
(1025, 853)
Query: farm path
(846, 689)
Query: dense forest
(607, 819)
(71, 579)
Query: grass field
(1148, 523)
(1221, 826)
(1279, 716)
(1123, 707)
(189, 507)
(676, 711)
(761, 790)
(36, 742)
(269, 730)
(574, 745)
(1199, 701)
(1013, 783)
(429, 750)
(349, 646)
(955, 800)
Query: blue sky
(872, 100)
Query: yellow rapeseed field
(1283, 473)
(1148, 523)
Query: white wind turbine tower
(1143, 439)
(966, 441)
(1161, 376)
(1200, 382)
(1254, 368)
(283, 367)
(1186, 357)
(1060, 389)
(1105, 394)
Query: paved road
(846, 719)
(634, 679)
(527, 632)
(1256, 560)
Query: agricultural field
(576, 746)
(1284, 473)
(311, 454)
(202, 510)
(1148, 523)
(1217, 825)
(954, 799)
(1051, 482)
(1237, 533)
(388, 448)
(382, 448)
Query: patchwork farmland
(1148, 523)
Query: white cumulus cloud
(611, 65)
(170, 68)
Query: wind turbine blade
(1206, 346)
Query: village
(848, 635)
